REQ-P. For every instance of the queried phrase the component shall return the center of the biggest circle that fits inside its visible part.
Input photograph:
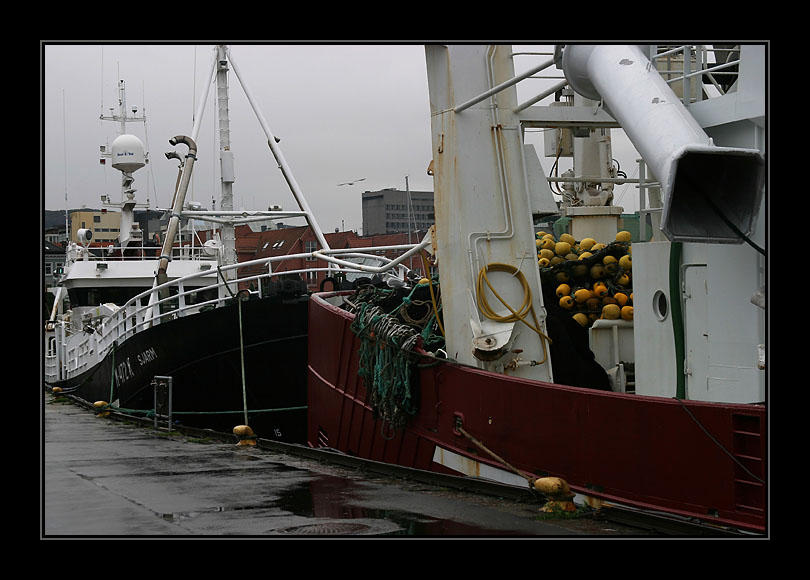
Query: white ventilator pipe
(710, 194)
(161, 276)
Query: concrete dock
(105, 478)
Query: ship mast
(485, 240)
(124, 147)
(227, 176)
(226, 216)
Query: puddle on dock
(332, 498)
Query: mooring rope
(495, 456)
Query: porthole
(660, 306)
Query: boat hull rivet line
(245, 434)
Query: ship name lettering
(147, 356)
(123, 372)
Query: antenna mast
(128, 155)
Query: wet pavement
(104, 478)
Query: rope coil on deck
(515, 315)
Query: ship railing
(717, 64)
(679, 66)
(80, 351)
(51, 364)
(148, 308)
(179, 252)
(70, 351)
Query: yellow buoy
(568, 238)
(424, 281)
(626, 262)
(611, 265)
(587, 243)
(600, 289)
(582, 318)
(624, 236)
(563, 290)
(597, 271)
(585, 255)
(562, 248)
(582, 295)
(621, 298)
(623, 280)
(611, 311)
(566, 302)
(543, 262)
(627, 313)
(547, 243)
(593, 305)
(546, 253)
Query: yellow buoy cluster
(591, 280)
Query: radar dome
(128, 153)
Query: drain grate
(326, 529)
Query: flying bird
(352, 182)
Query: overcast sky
(343, 112)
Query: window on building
(97, 219)
(310, 246)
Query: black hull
(202, 354)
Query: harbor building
(392, 211)
(104, 225)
